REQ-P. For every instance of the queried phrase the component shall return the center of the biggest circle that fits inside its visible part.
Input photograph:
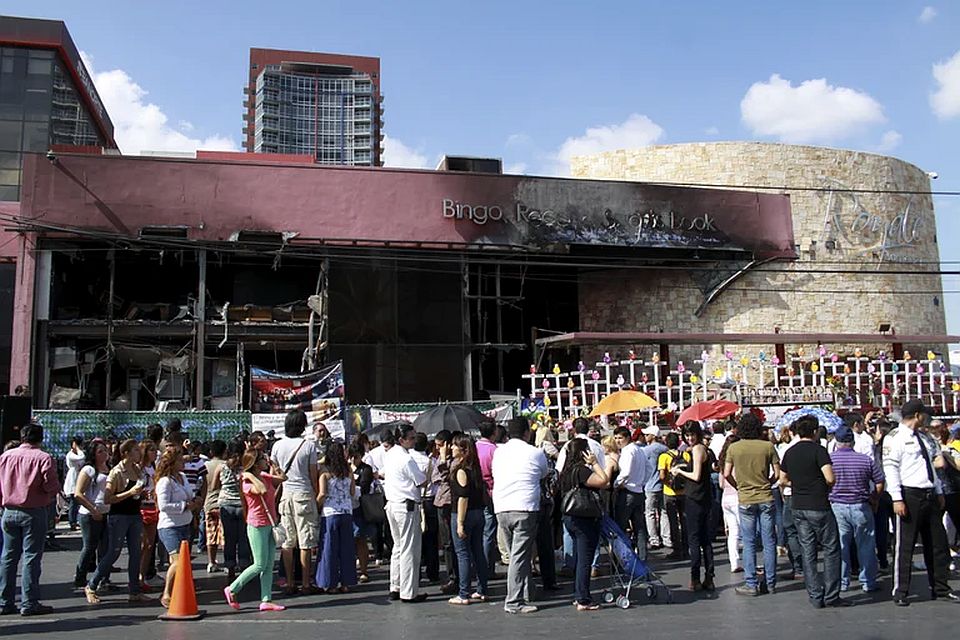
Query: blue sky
(532, 82)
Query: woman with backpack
(673, 496)
(581, 481)
(698, 504)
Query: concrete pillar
(20, 361)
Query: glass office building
(323, 105)
(41, 104)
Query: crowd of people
(511, 496)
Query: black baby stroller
(627, 570)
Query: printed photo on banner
(267, 422)
(319, 391)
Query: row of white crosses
(567, 393)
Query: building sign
(541, 212)
(889, 232)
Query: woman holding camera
(124, 523)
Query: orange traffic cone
(183, 602)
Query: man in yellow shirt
(673, 497)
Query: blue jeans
(569, 551)
(491, 552)
(236, 546)
(24, 531)
(586, 537)
(629, 509)
(856, 525)
(794, 552)
(73, 512)
(758, 519)
(818, 530)
(95, 543)
(121, 530)
(778, 517)
(470, 551)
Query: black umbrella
(453, 417)
(376, 430)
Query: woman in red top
(259, 500)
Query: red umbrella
(710, 410)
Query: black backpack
(676, 482)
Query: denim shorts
(171, 537)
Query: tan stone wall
(863, 231)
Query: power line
(448, 256)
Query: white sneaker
(214, 568)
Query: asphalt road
(366, 613)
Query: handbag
(374, 507)
(279, 533)
(582, 502)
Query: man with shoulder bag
(299, 514)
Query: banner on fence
(60, 426)
(317, 393)
(499, 413)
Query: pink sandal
(231, 599)
(270, 606)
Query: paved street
(367, 613)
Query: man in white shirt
(629, 500)
(297, 458)
(908, 458)
(403, 484)
(376, 456)
(518, 468)
(862, 442)
(581, 426)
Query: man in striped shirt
(859, 481)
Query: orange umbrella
(709, 410)
(623, 401)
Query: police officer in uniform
(908, 455)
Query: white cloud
(397, 154)
(927, 15)
(636, 131)
(518, 139)
(185, 125)
(712, 131)
(143, 126)
(889, 141)
(812, 112)
(517, 168)
(946, 99)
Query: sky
(536, 82)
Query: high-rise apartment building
(320, 104)
(46, 97)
